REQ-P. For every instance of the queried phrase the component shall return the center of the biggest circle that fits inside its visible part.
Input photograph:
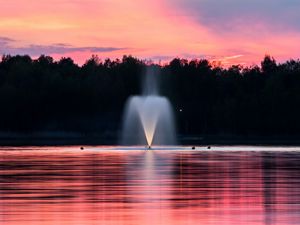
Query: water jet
(148, 118)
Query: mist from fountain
(148, 119)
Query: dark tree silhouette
(44, 95)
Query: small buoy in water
(149, 146)
(193, 147)
(81, 148)
(208, 147)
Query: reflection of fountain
(149, 173)
(148, 118)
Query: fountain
(148, 119)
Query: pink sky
(156, 29)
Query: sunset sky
(232, 31)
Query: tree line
(47, 95)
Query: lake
(113, 185)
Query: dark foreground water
(64, 185)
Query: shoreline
(79, 139)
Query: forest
(44, 95)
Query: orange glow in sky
(157, 30)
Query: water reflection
(67, 186)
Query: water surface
(128, 186)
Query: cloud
(6, 47)
(60, 49)
(232, 15)
(5, 41)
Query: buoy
(193, 147)
(81, 148)
(208, 147)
